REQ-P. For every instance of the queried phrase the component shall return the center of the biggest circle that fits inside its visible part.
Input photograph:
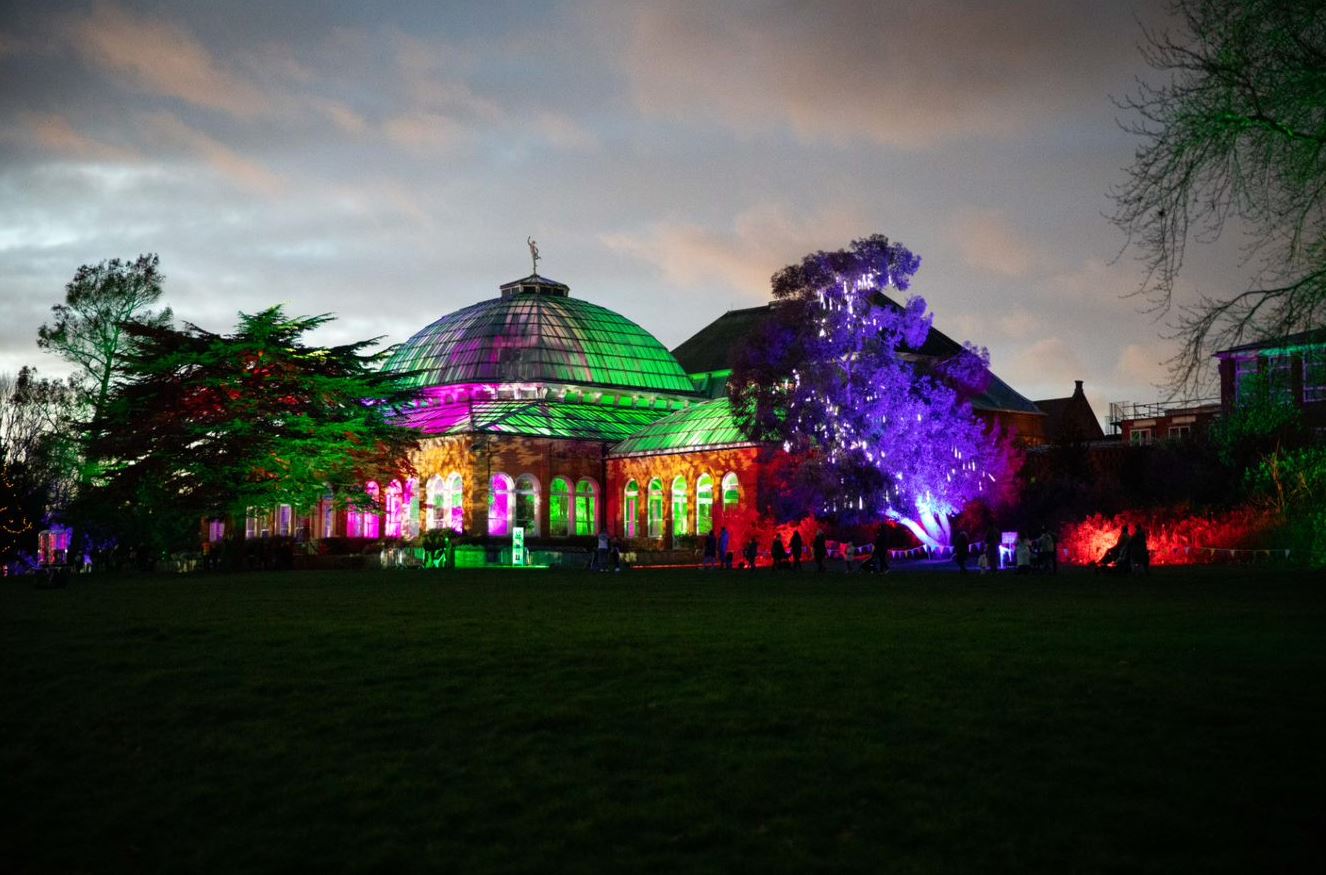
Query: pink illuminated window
(500, 491)
(395, 509)
(364, 522)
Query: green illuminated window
(587, 507)
(731, 491)
(631, 509)
(655, 508)
(680, 507)
(704, 505)
(559, 507)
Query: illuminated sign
(518, 545)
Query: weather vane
(534, 253)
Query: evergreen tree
(206, 425)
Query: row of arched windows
(573, 508)
(680, 495)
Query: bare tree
(89, 326)
(1236, 135)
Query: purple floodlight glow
(894, 439)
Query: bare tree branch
(1237, 133)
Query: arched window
(559, 508)
(704, 505)
(731, 491)
(631, 509)
(434, 492)
(454, 502)
(285, 520)
(655, 508)
(680, 507)
(410, 528)
(587, 507)
(327, 511)
(370, 523)
(395, 506)
(527, 504)
(499, 504)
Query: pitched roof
(1070, 419)
(533, 417)
(710, 349)
(707, 426)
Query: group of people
(1129, 553)
(787, 555)
(1027, 554)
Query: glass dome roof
(535, 333)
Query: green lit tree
(89, 328)
(1234, 136)
(205, 425)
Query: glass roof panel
(539, 338)
(704, 426)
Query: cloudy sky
(386, 165)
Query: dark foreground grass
(665, 721)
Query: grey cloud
(897, 73)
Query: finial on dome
(533, 253)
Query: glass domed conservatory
(543, 411)
(521, 398)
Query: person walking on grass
(797, 547)
(819, 548)
(1139, 556)
(752, 552)
(1023, 553)
(724, 541)
(881, 557)
(710, 551)
(961, 548)
(779, 553)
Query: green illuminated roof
(706, 426)
(535, 417)
(536, 333)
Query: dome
(536, 333)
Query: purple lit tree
(839, 376)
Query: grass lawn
(666, 721)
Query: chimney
(1077, 387)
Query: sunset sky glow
(388, 165)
